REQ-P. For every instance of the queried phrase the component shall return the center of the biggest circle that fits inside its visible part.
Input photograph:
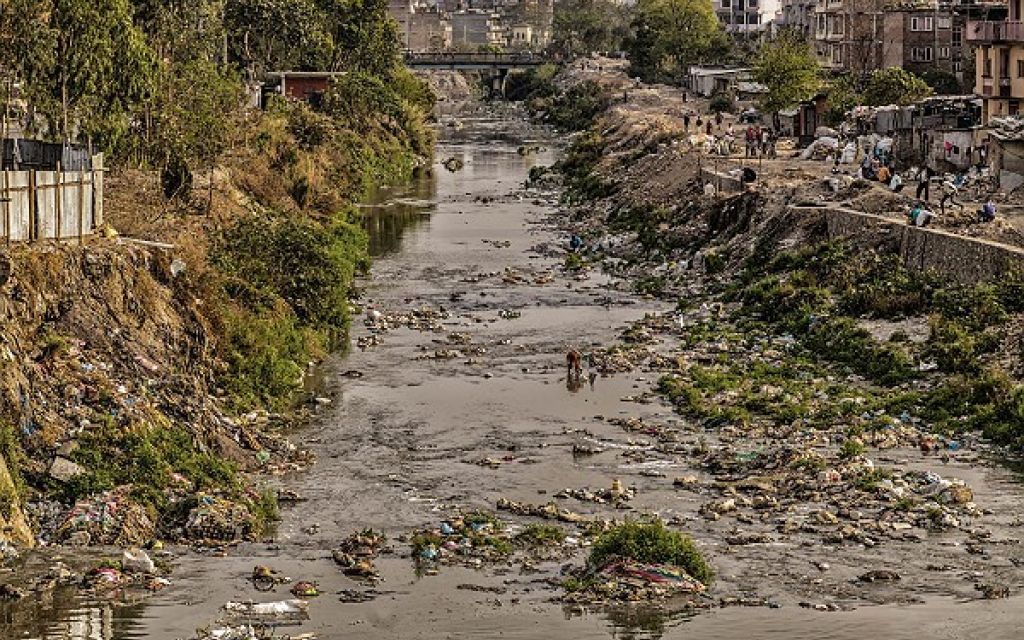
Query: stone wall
(959, 258)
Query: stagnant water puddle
(402, 436)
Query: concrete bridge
(497, 65)
(474, 61)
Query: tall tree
(672, 34)
(268, 35)
(894, 85)
(788, 69)
(96, 69)
(583, 26)
(364, 36)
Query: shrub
(851, 449)
(651, 543)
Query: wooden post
(7, 206)
(81, 205)
(33, 207)
(58, 178)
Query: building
(848, 34)
(797, 15)
(706, 81)
(924, 39)
(746, 16)
(999, 62)
(307, 86)
(428, 30)
(401, 11)
(473, 29)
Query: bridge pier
(498, 82)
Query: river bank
(454, 398)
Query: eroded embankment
(145, 377)
(834, 396)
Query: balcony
(992, 32)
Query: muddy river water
(398, 445)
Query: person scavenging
(950, 189)
(919, 216)
(987, 212)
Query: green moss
(541, 535)
(265, 511)
(653, 543)
(146, 457)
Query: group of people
(920, 216)
(759, 141)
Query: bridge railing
(524, 57)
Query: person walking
(924, 179)
(686, 122)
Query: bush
(576, 109)
(651, 543)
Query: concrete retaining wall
(724, 183)
(958, 258)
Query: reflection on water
(63, 615)
(393, 210)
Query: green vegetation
(161, 89)
(881, 87)
(541, 535)
(789, 70)
(583, 26)
(654, 543)
(147, 457)
(669, 35)
(894, 85)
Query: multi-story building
(746, 16)
(999, 62)
(924, 39)
(797, 15)
(476, 29)
(848, 34)
(429, 30)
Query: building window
(1014, 108)
(921, 23)
(943, 23)
(958, 67)
(837, 54)
(943, 53)
(1020, 68)
(921, 54)
(986, 67)
(958, 37)
(726, 4)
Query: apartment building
(923, 39)
(746, 16)
(797, 15)
(999, 62)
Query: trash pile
(620, 579)
(469, 539)
(356, 553)
(617, 495)
(217, 520)
(109, 518)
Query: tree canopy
(894, 85)
(669, 35)
(787, 67)
(583, 26)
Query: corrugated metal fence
(51, 205)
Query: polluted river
(454, 396)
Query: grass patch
(651, 543)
